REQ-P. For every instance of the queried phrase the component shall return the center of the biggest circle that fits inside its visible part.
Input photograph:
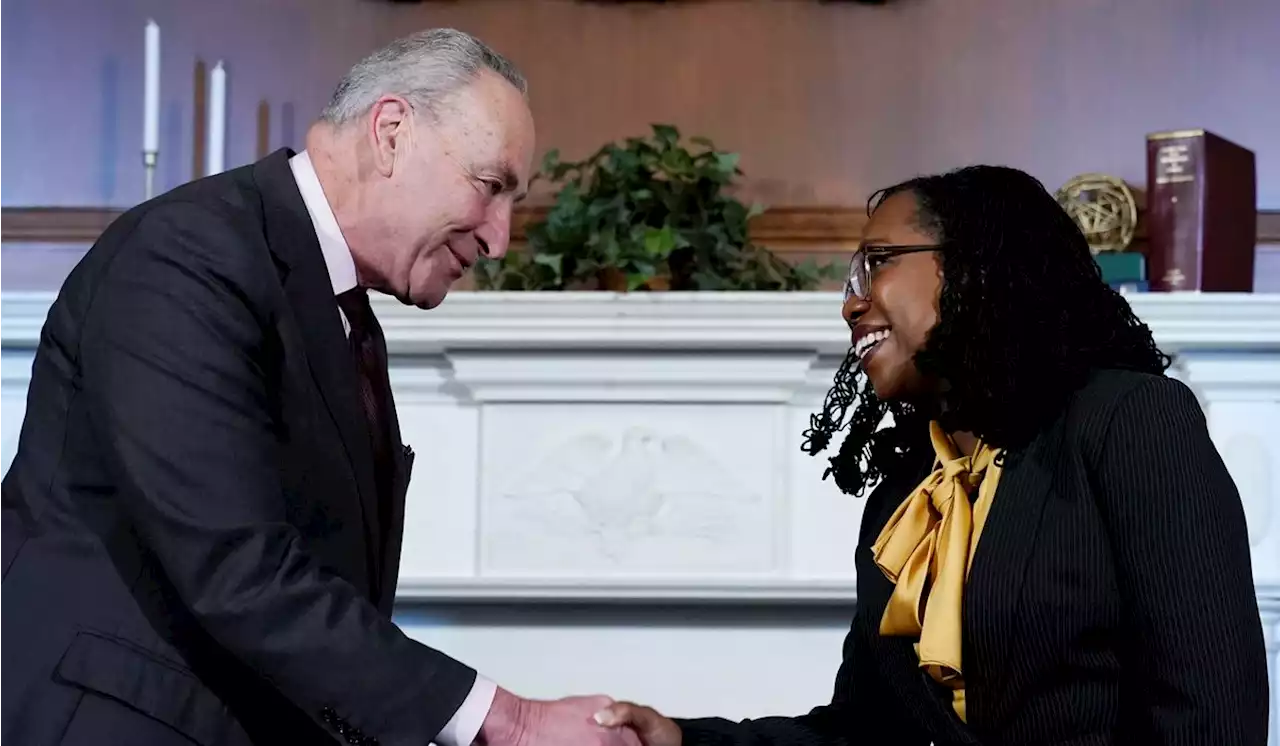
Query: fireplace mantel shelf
(644, 448)
(703, 320)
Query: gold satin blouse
(926, 549)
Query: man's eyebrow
(511, 182)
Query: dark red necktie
(368, 349)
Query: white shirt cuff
(464, 726)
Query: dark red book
(1202, 212)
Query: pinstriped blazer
(1111, 598)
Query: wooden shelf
(794, 229)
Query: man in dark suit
(202, 523)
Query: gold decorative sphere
(1103, 207)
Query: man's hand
(513, 721)
(653, 727)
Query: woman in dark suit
(1053, 552)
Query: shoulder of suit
(1093, 410)
(229, 197)
(1106, 388)
(219, 218)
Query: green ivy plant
(646, 214)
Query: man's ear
(389, 132)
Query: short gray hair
(425, 68)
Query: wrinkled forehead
(491, 127)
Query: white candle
(216, 161)
(151, 95)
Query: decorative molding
(1252, 378)
(757, 321)
(667, 321)
(23, 317)
(537, 414)
(806, 322)
(609, 492)
(779, 321)
(747, 591)
(55, 224)
(548, 376)
(815, 229)
(624, 591)
(1269, 600)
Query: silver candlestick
(149, 158)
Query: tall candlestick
(151, 97)
(217, 120)
(264, 129)
(151, 107)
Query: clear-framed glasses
(864, 261)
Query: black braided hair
(1024, 317)
(872, 447)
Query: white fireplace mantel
(646, 447)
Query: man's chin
(427, 298)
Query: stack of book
(1125, 271)
(1202, 213)
(1200, 220)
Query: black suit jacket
(191, 524)
(1111, 598)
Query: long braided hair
(1024, 317)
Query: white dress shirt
(462, 728)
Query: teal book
(1122, 267)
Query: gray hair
(425, 68)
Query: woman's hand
(653, 727)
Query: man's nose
(495, 234)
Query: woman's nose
(854, 307)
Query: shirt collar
(337, 254)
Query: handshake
(574, 721)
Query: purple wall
(1089, 78)
(1067, 87)
(72, 124)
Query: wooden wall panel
(823, 234)
(826, 102)
(822, 230)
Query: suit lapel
(402, 463)
(292, 239)
(928, 703)
(993, 591)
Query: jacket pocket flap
(160, 690)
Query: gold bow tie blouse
(926, 550)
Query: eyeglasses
(867, 258)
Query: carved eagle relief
(623, 487)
